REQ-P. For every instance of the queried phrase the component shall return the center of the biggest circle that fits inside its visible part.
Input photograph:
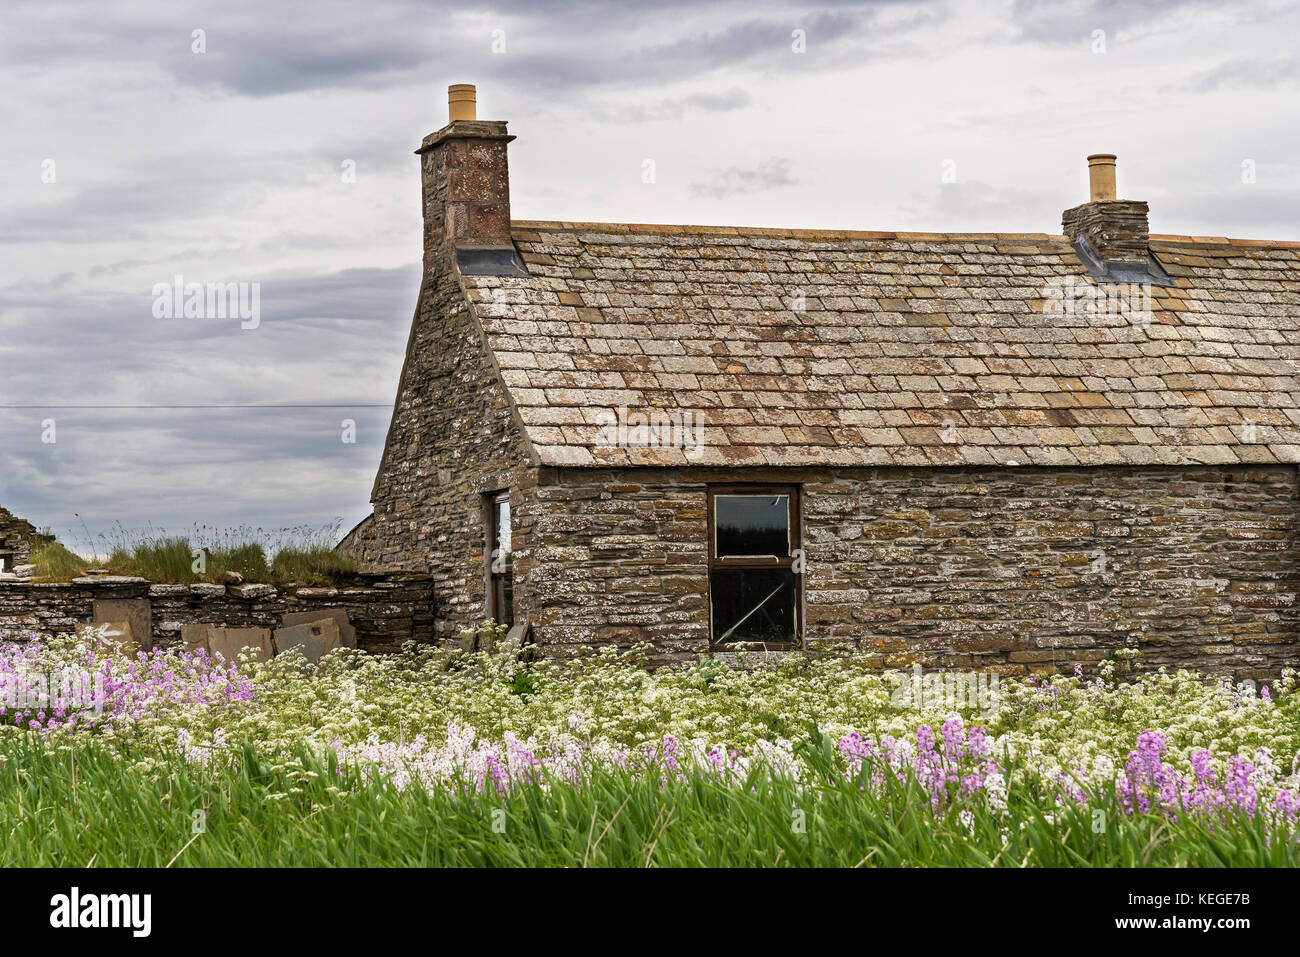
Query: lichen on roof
(809, 347)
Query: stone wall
(360, 541)
(1029, 569)
(387, 610)
(15, 539)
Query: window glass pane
(503, 534)
(751, 525)
(753, 604)
(503, 598)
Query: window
(754, 585)
(501, 592)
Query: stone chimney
(1115, 229)
(466, 181)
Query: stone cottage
(1011, 451)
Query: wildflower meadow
(438, 756)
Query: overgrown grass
(74, 806)
(313, 566)
(300, 556)
(52, 562)
(159, 560)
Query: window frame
(757, 562)
(496, 610)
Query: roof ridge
(794, 233)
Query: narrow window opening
(501, 593)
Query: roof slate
(802, 347)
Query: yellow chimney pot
(1101, 177)
(461, 103)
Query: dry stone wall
(386, 610)
(15, 540)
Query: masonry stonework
(1116, 230)
(15, 539)
(387, 610)
(1015, 570)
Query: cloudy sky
(247, 142)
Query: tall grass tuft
(248, 560)
(53, 562)
(311, 566)
(160, 559)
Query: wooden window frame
(495, 611)
(758, 562)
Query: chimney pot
(1101, 177)
(461, 103)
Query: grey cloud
(1260, 210)
(157, 190)
(971, 205)
(356, 318)
(269, 468)
(1072, 22)
(674, 109)
(1248, 73)
(771, 173)
(323, 44)
(337, 339)
(250, 48)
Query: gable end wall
(453, 438)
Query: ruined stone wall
(453, 437)
(1028, 569)
(15, 539)
(360, 540)
(387, 610)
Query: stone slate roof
(909, 349)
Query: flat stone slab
(168, 591)
(347, 633)
(195, 637)
(229, 642)
(315, 639)
(137, 611)
(313, 592)
(117, 632)
(252, 591)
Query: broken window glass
(751, 525)
(752, 604)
